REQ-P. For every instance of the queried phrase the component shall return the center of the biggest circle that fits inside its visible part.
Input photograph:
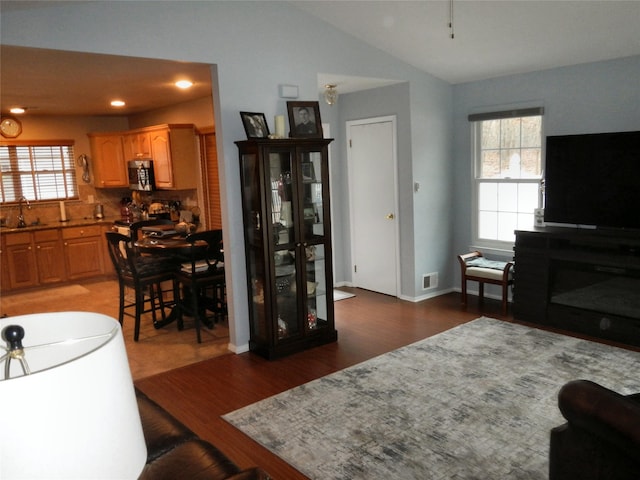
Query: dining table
(174, 246)
(175, 249)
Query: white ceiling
(492, 39)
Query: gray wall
(253, 47)
(425, 217)
(588, 98)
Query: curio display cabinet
(286, 209)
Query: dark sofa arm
(175, 452)
(606, 414)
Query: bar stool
(202, 279)
(142, 277)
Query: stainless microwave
(141, 175)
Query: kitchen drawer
(45, 235)
(79, 232)
(18, 238)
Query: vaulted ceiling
(491, 39)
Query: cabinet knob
(389, 216)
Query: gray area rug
(474, 402)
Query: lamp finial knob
(13, 335)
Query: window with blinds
(507, 160)
(38, 172)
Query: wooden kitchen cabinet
(109, 162)
(172, 147)
(174, 151)
(50, 262)
(83, 248)
(136, 145)
(21, 260)
(4, 271)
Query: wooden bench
(474, 266)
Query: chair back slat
(212, 254)
(119, 245)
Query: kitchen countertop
(50, 225)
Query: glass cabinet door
(312, 196)
(253, 231)
(313, 238)
(283, 226)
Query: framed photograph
(255, 124)
(309, 213)
(308, 175)
(304, 120)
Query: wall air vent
(429, 280)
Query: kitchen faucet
(21, 222)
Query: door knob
(389, 216)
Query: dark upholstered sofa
(601, 439)
(175, 452)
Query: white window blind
(39, 171)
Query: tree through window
(507, 156)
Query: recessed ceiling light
(117, 103)
(17, 110)
(184, 84)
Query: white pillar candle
(63, 213)
(279, 122)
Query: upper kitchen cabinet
(173, 149)
(109, 164)
(136, 145)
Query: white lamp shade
(76, 415)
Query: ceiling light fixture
(18, 110)
(330, 94)
(117, 103)
(452, 33)
(184, 84)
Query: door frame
(350, 174)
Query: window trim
(474, 122)
(58, 143)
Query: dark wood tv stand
(580, 280)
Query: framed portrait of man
(304, 120)
(255, 124)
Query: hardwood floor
(368, 325)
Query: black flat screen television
(593, 180)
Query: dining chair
(142, 277)
(137, 232)
(200, 281)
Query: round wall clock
(10, 127)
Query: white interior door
(373, 200)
